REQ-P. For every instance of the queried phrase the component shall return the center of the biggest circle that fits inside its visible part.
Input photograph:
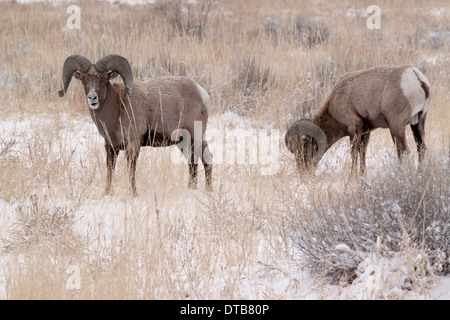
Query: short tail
(423, 82)
(205, 97)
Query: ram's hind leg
(419, 136)
(399, 139)
(193, 168)
(207, 164)
(362, 152)
(205, 155)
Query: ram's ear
(112, 74)
(77, 75)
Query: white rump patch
(413, 91)
(205, 97)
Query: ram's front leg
(355, 152)
(362, 152)
(111, 157)
(132, 156)
(356, 140)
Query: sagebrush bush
(41, 225)
(251, 76)
(335, 230)
(185, 17)
(301, 30)
(310, 33)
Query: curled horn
(73, 63)
(120, 65)
(301, 128)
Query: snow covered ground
(264, 275)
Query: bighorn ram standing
(381, 97)
(140, 113)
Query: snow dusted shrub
(251, 76)
(8, 166)
(38, 224)
(436, 37)
(186, 17)
(250, 80)
(403, 208)
(310, 33)
(301, 30)
(5, 147)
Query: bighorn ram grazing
(381, 97)
(140, 113)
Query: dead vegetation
(241, 241)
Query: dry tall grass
(171, 242)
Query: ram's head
(96, 77)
